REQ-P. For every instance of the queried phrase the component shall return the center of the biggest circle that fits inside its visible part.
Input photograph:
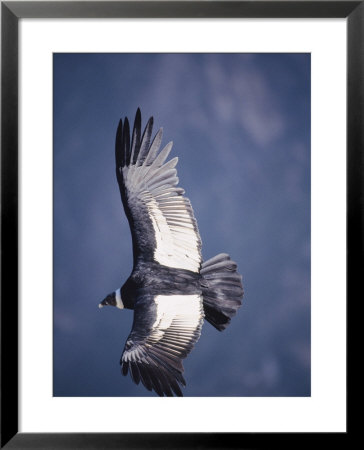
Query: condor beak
(103, 303)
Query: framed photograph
(262, 103)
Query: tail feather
(222, 290)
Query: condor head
(113, 299)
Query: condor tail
(222, 290)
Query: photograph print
(181, 212)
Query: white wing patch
(184, 313)
(177, 244)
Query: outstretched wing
(165, 329)
(161, 220)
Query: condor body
(170, 289)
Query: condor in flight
(170, 289)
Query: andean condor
(170, 289)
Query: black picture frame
(11, 12)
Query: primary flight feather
(170, 289)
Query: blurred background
(240, 124)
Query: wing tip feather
(158, 377)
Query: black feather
(155, 381)
(175, 372)
(145, 143)
(125, 367)
(136, 136)
(126, 142)
(176, 388)
(222, 290)
(145, 376)
(134, 371)
(164, 379)
(118, 146)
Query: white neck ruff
(119, 303)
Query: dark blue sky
(240, 124)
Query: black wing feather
(144, 375)
(126, 140)
(145, 144)
(119, 147)
(136, 137)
